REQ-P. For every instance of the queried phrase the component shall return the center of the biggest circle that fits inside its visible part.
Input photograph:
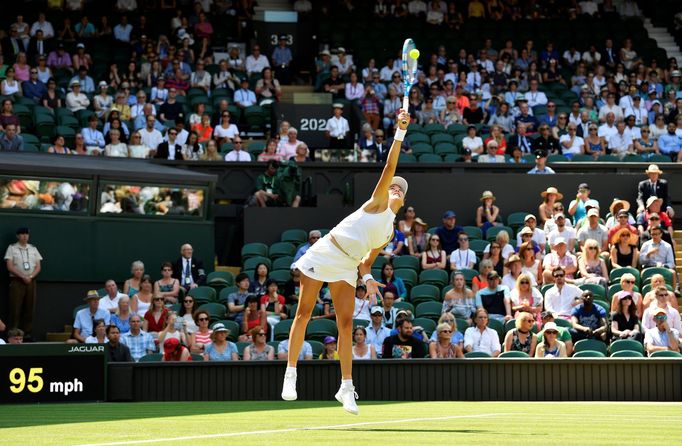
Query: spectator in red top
(253, 317)
(204, 129)
(155, 318)
(203, 28)
(273, 304)
(370, 107)
(174, 351)
(622, 223)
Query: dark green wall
(88, 249)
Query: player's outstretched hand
(403, 119)
(373, 291)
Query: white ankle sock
(291, 370)
(347, 382)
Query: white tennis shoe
(347, 396)
(289, 386)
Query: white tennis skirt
(325, 262)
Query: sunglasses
(592, 248)
(628, 281)
(661, 318)
(446, 331)
(556, 276)
(524, 282)
(662, 295)
(551, 332)
(435, 239)
(158, 298)
(188, 301)
(651, 218)
(260, 334)
(201, 319)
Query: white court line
(294, 429)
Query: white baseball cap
(401, 182)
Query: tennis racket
(409, 70)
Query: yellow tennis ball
(414, 53)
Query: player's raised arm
(381, 190)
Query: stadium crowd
(164, 93)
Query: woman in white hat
(346, 251)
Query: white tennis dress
(357, 234)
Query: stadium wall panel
(612, 379)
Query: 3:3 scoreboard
(36, 373)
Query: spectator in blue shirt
(33, 88)
(245, 97)
(139, 342)
(449, 232)
(281, 59)
(122, 30)
(670, 143)
(313, 237)
(541, 164)
(10, 141)
(84, 322)
(588, 319)
(92, 136)
(85, 81)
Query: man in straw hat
(85, 318)
(654, 186)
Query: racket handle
(406, 103)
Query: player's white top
(361, 232)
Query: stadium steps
(59, 336)
(664, 40)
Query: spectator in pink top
(287, 148)
(203, 28)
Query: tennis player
(336, 259)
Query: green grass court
(305, 422)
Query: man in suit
(609, 55)
(169, 149)
(37, 47)
(188, 270)
(12, 45)
(655, 187)
(520, 140)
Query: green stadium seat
(616, 273)
(608, 159)
(418, 137)
(590, 344)
(421, 148)
(563, 323)
(437, 138)
(281, 276)
(596, 289)
(665, 354)
(220, 277)
(498, 327)
(254, 249)
(407, 158)
(281, 249)
(556, 158)
(317, 347)
(626, 344)
(318, 329)
(430, 158)
(474, 232)
(215, 310)
(197, 357)
(462, 324)
(469, 274)
(626, 354)
(225, 292)
(409, 276)
(282, 263)
(435, 277)
(515, 220)
(240, 348)
(234, 328)
(589, 354)
(445, 148)
(296, 236)
(404, 306)
(478, 246)
(203, 294)
(360, 323)
(434, 128)
(452, 158)
(428, 325)
(252, 262)
(492, 232)
(429, 310)
(281, 331)
(477, 355)
(648, 272)
(514, 354)
(457, 129)
(424, 293)
(151, 357)
(581, 158)
(406, 262)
